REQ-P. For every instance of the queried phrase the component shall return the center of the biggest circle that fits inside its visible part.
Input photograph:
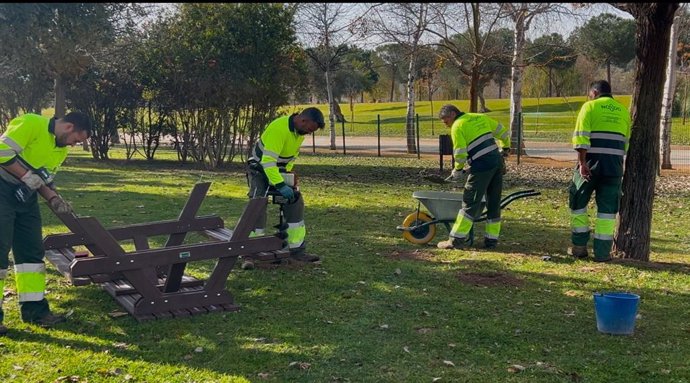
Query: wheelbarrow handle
(510, 198)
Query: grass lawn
(544, 119)
(378, 308)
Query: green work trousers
(20, 231)
(293, 213)
(489, 183)
(607, 196)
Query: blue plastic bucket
(616, 312)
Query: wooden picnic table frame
(150, 283)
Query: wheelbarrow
(419, 227)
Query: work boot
(3, 330)
(49, 320)
(452, 243)
(579, 251)
(304, 257)
(490, 243)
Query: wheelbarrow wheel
(420, 235)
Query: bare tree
(522, 15)
(654, 23)
(326, 30)
(669, 93)
(468, 42)
(404, 24)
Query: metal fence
(545, 135)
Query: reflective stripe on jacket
(603, 129)
(32, 138)
(474, 141)
(277, 149)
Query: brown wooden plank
(254, 209)
(136, 261)
(62, 264)
(186, 282)
(95, 278)
(176, 271)
(162, 315)
(180, 313)
(151, 229)
(109, 245)
(182, 300)
(221, 234)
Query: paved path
(556, 150)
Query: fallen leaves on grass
(70, 379)
(418, 254)
(300, 365)
(117, 314)
(515, 368)
(488, 278)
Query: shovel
(438, 179)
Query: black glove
(287, 192)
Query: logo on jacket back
(611, 107)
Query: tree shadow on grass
(315, 312)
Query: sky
(568, 25)
(564, 26)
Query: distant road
(555, 150)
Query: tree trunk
(409, 120)
(60, 109)
(654, 23)
(669, 93)
(608, 72)
(482, 101)
(331, 110)
(431, 104)
(500, 90)
(550, 81)
(516, 84)
(474, 79)
(390, 99)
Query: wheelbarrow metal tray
(444, 206)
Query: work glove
(287, 193)
(59, 205)
(456, 175)
(32, 180)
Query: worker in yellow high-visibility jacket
(601, 138)
(475, 138)
(32, 142)
(271, 158)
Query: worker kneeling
(474, 138)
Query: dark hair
(601, 86)
(447, 109)
(315, 115)
(81, 122)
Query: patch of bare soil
(418, 255)
(488, 279)
(538, 173)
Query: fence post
(378, 132)
(418, 148)
(343, 126)
(519, 137)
